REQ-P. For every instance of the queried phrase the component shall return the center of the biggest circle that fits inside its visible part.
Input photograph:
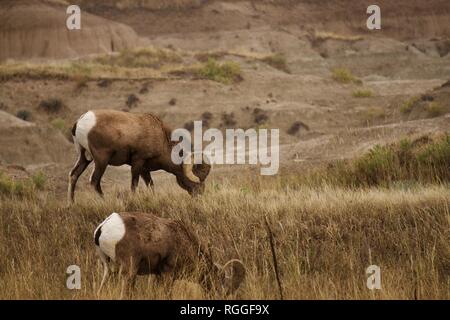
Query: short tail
(74, 130)
(97, 235)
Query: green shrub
(39, 179)
(343, 75)
(140, 58)
(227, 72)
(408, 105)
(24, 115)
(277, 61)
(422, 160)
(9, 187)
(373, 114)
(435, 109)
(59, 124)
(23, 187)
(362, 93)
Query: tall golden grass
(325, 238)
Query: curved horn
(188, 167)
(238, 273)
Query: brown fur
(154, 245)
(139, 140)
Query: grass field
(327, 230)
(325, 239)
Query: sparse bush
(52, 105)
(24, 115)
(173, 101)
(21, 188)
(132, 101)
(408, 105)
(436, 157)
(228, 119)
(422, 160)
(39, 180)
(227, 72)
(373, 114)
(296, 126)
(362, 93)
(260, 116)
(207, 116)
(189, 126)
(145, 88)
(104, 83)
(277, 61)
(343, 75)
(140, 58)
(205, 56)
(427, 97)
(435, 109)
(59, 124)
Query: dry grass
(327, 231)
(137, 63)
(343, 75)
(144, 63)
(363, 93)
(325, 239)
(324, 35)
(423, 160)
(434, 109)
(409, 104)
(86, 70)
(374, 114)
(141, 58)
(226, 72)
(277, 61)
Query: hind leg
(75, 173)
(101, 161)
(104, 260)
(128, 269)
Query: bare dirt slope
(37, 29)
(403, 19)
(405, 60)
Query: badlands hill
(37, 29)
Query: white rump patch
(113, 230)
(84, 125)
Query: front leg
(137, 167)
(147, 178)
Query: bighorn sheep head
(194, 175)
(232, 274)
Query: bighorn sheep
(142, 243)
(142, 141)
